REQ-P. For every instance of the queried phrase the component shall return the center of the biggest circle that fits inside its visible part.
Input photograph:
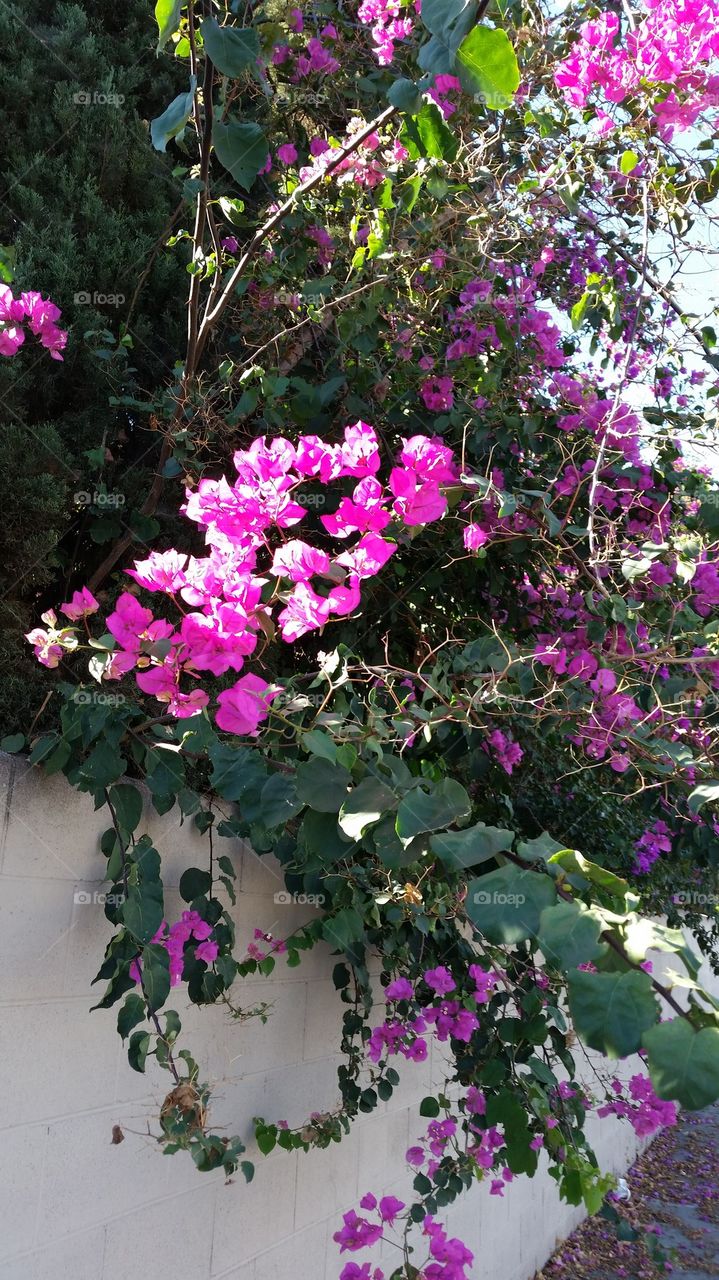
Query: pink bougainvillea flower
(357, 1233)
(298, 561)
(399, 989)
(162, 571)
(368, 557)
(245, 705)
(305, 611)
(440, 980)
(129, 621)
(360, 451)
(287, 153)
(81, 604)
(207, 951)
(389, 1208)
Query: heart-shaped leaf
(684, 1063)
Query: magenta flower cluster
(448, 1257)
(222, 598)
(388, 27)
(29, 312)
(190, 927)
(639, 1104)
(668, 49)
(650, 846)
(446, 1019)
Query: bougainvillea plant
(440, 634)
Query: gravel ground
(674, 1209)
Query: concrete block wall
(73, 1206)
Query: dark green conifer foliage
(83, 200)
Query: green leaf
(13, 742)
(364, 806)
(126, 800)
(137, 1050)
(441, 16)
(611, 1011)
(429, 1107)
(321, 837)
(320, 744)
(433, 810)
(279, 801)
(705, 793)
(344, 929)
(167, 16)
(242, 149)
(232, 49)
(132, 1012)
(684, 1063)
(426, 135)
(540, 849)
(579, 311)
(266, 1139)
(569, 935)
(173, 119)
(461, 849)
(629, 161)
(143, 910)
(506, 1110)
(155, 976)
(323, 785)
(194, 883)
(405, 95)
(571, 861)
(449, 21)
(642, 935)
(487, 67)
(633, 569)
(506, 905)
(104, 765)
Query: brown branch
(197, 337)
(213, 314)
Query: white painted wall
(75, 1207)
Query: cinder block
(261, 872)
(252, 1217)
(88, 1181)
(327, 1183)
(173, 1238)
(323, 1024)
(383, 1141)
(301, 1258)
(35, 928)
(79, 1258)
(245, 1272)
(52, 830)
(63, 1061)
(295, 1092)
(23, 1151)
